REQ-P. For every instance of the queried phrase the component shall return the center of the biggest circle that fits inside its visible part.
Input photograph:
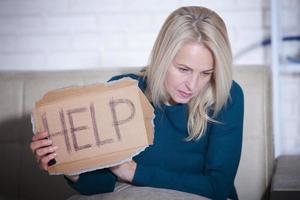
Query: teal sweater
(206, 167)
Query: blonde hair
(204, 26)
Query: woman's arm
(216, 180)
(94, 182)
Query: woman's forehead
(195, 56)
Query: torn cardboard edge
(129, 155)
(102, 161)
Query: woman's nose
(191, 82)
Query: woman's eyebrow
(208, 70)
(184, 65)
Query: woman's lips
(184, 94)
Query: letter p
(117, 122)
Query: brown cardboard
(95, 126)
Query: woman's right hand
(43, 149)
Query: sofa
(21, 178)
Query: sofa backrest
(20, 90)
(256, 165)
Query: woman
(198, 114)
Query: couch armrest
(286, 179)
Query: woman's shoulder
(233, 109)
(236, 97)
(120, 76)
(138, 77)
(236, 90)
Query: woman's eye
(183, 69)
(206, 73)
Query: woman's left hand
(125, 171)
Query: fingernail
(55, 148)
(51, 162)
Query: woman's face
(189, 72)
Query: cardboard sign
(95, 126)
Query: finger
(44, 161)
(47, 150)
(40, 136)
(114, 168)
(39, 144)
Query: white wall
(290, 83)
(80, 34)
(73, 34)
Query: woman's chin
(179, 100)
